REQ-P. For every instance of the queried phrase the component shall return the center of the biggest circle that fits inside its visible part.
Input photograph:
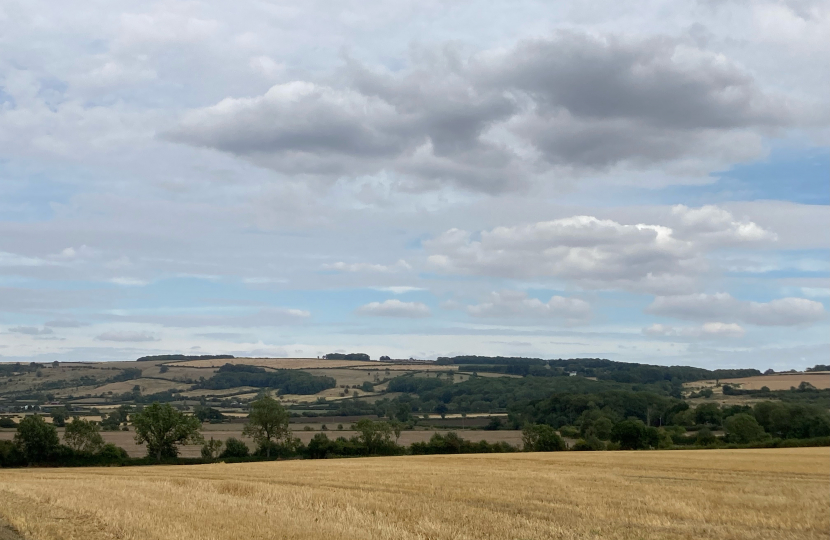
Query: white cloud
(709, 330)
(399, 289)
(394, 308)
(517, 304)
(399, 266)
(126, 336)
(596, 253)
(129, 282)
(779, 312)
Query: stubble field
(718, 494)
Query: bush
(570, 432)
(589, 443)
(743, 428)
(6, 422)
(10, 455)
(234, 448)
(541, 438)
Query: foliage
(36, 439)
(208, 414)
(376, 436)
(541, 438)
(234, 448)
(211, 448)
(83, 436)
(363, 357)
(287, 381)
(633, 434)
(59, 416)
(792, 420)
(185, 357)
(6, 422)
(589, 443)
(116, 418)
(451, 443)
(267, 423)
(743, 428)
(162, 427)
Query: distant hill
(185, 357)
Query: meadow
(718, 494)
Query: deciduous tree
(162, 427)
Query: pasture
(717, 494)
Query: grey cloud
(779, 312)
(126, 336)
(579, 101)
(30, 330)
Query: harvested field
(777, 381)
(703, 494)
(277, 363)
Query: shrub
(234, 448)
(541, 438)
(589, 443)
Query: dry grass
(718, 494)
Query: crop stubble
(722, 494)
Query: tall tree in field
(83, 436)
(36, 439)
(162, 427)
(267, 422)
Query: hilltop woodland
(576, 405)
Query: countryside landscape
(567, 439)
(415, 270)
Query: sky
(643, 181)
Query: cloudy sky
(641, 181)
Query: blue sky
(641, 181)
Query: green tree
(630, 434)
(267, 423)
(234, 448)
(743, 428)
(162, 427)
(211, 449)
(541, 438)
(375, 436)
(36, 439)
(709, 414)
(59, 417)
(83, 436)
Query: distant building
(572, 373)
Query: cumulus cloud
(30, 330)
(126, 336)
(517, 304)
(570, 101)
(596, 253)
(394, 308)
(709, 330)
(779, 312)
